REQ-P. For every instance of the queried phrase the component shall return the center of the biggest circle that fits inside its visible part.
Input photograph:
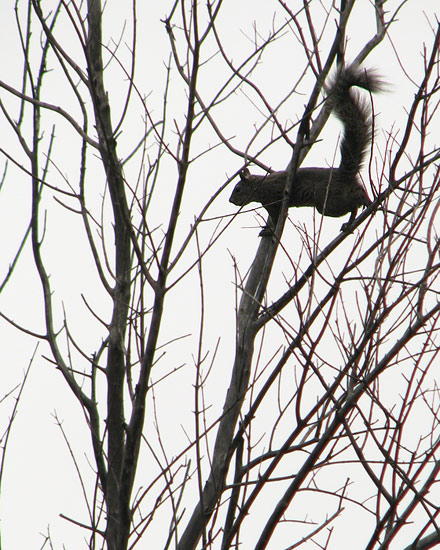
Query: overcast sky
(39, 480)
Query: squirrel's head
(242, 193)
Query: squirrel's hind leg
(345, 226)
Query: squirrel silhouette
(332, 191)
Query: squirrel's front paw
(266, 232)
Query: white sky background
(40, 481)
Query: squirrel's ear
(244, 173)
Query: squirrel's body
(332, 191)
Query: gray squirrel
(332, 191)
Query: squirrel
(332, 191)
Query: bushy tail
(355, 114)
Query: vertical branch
(118, 508)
